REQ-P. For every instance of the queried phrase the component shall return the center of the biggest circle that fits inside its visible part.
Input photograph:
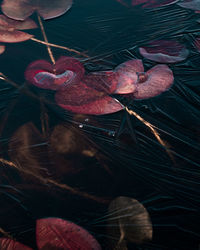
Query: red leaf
(45, 75)
(154, 82)
(20, 9)
(164, 51)
(78, 97)
(8, 244)
(55, 233)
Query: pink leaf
(126, 76)
(55, 233)
(147, 3)
(164, 51)
(153, 3)
(21, 9)
(190, 4)
(9, 244)
(154, 82)
(45, 75)
(9, 32)
(13, 36)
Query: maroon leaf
(55, 233)
(164, 51)
(154, 82)
(78, 97)
(45, 75)
(9, 244)
(190, 4)
(21, 9)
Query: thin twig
(59, 47)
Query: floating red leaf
(78, 97)
(164, 51)
(9, 244)
(21, 9)
(154, 82)
(190, 4)
(45, 75)
(55, 233)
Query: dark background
(138, 166)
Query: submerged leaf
(55, 233)
(21, 9)
(128, 221)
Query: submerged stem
(46, 40)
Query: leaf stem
(59, 47)
(45, 39)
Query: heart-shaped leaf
(154, 82)
(164, 51)
(55, 233)
(21, 9)
(9, 244)
(45, 75)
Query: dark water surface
(110, 155)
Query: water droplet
(86, 120)
(81, 126)
(111, 133)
